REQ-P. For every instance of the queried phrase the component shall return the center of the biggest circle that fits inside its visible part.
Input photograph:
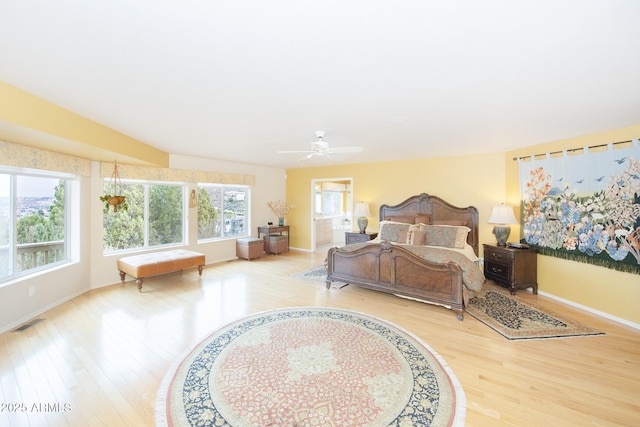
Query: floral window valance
(24, 156)
(175, 175)
(584, 206)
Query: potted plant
(116, 199)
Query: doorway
(331, 212)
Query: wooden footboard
(393, 269)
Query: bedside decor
(502, 216)
(306, 366)
(362, 212)
(280, 209)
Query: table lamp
(502, 216)
(362, 212)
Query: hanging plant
(117, 200)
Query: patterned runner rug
(311, 366)
(514, 319)
(318, 276)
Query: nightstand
(514, 268)
(351, 237)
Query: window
(155, 216)
(330, 203)
(34, 212)
(223, 211)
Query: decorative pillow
(456, 222)
(389, 230)
(423, 218)
(412, 236)
(447, 236)
(407, 219)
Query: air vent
(27, 325)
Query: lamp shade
(362, 210)
(502, 214)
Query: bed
(426, 250)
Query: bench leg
(200, 267)
(122, 274)
(139, 283)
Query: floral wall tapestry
(584, 207)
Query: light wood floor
(99, 359)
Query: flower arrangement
(280, 208)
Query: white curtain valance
(24, 156)
(175, 175)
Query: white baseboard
(30, 316)
(591, 310)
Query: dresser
(351, 237)
(511, 267)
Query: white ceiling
(238, 80)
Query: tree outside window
(32, 223)
(155, 217)
(222, 211)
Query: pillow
(389, 230)
(412, 236)
(407, 219)
(423, 218)
(447, 236)
(457, 222)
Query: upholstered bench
(155, 263)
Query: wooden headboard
(439, 211)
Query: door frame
(312, 219)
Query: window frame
(146, 227)
(247, 213)
(71, 209)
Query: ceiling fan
(321, 148)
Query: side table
(274, 230)
(351, 237)
(515, 268)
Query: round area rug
(311, 366)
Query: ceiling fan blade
(338, 150)
(322, 148)
(293, 151)
(307, 157)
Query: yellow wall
(606, 290)
(463, 181)
(481, 181)
(27, 119)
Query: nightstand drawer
(358, 237)
(497, 256)
(497, 271)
